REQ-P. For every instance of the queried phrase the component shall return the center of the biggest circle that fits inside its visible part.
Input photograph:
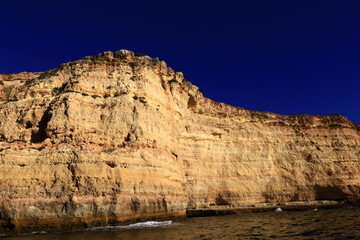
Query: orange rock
(120, 136)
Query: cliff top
(24, 81)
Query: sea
(342, 223)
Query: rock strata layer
(121, 136)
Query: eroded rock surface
(121, 136)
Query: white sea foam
(41, 232)
(278, 209)
(148, 224)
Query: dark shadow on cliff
(40, 135)
(329, 193)
(219, 200)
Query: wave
(148, 224)
(40, 232)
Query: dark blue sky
(288, 57)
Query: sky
(287, 57)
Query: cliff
(121, 136)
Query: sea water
(341, 223)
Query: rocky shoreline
(289, 206)
(79, 224)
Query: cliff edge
(121, 136)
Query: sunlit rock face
(121, 136)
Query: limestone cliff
(121, 136)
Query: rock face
(121, 136)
